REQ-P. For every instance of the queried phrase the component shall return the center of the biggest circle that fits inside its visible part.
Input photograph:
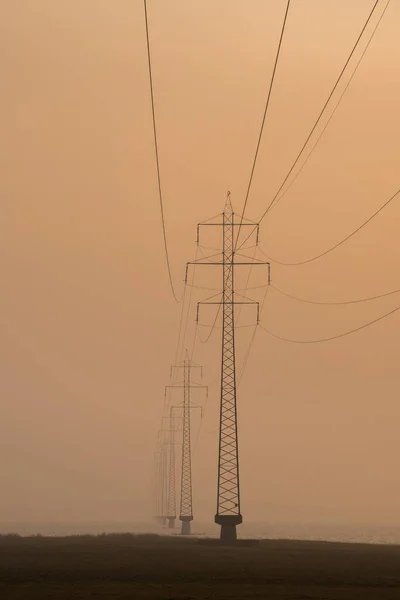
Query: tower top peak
(228, 204)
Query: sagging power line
(333, 337)
(322, 112)
(160, 194)
(278, 51)
(337, 104)
(342, 241)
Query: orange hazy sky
(89, 327)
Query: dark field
(115, 567)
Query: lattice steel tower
(171, 501)
(186, 505)
(161, 476)
(186, 499)
(228, 497)
(228, 513)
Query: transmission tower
(171, 502)
(162, 477)
(163, 474)
(228, 514)
(186, 499)
(157, 486)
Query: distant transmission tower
(163, 482)
(157, 485)
(186, 500)
(171, 502)
(162, 477)
(228, 514)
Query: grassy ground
(116, 567)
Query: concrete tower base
(228, 524)
(171, 522)
(185, 528)
(185, 525)
(228, 535)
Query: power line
(247, 355)
(202, 287)
(308, 260)
(180, 326)
(244, 290)
(157, 158)
(248, 352)
(359, 300)
(334, 109)
(212, 327)
(210, 256)
(253, 287)
(203, 415)
(181, 338)
(180, 346)
(263, 119)
(324, 107)
(194, 342)
(333, 337)
(320, 115)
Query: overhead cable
(248, 352)
(334, 109)
(338, 303)
(160, 195)
(338, 80)
(325, 252)
(247, 355)
(195, 335)
(263, 119)
(333, 337)
(185, 319)
(212, 327)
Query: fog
(89, 326)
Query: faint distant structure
(161, 456)
(186, 497)
(171, 501)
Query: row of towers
(166, 468)
(228, 511)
